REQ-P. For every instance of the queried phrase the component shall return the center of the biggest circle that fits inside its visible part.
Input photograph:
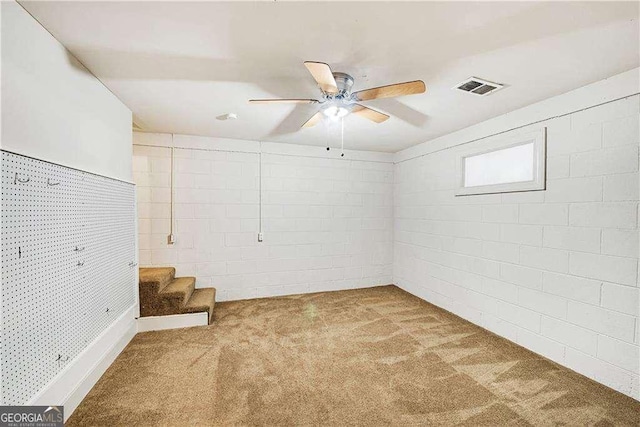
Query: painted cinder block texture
(567, 257)
(327, 223)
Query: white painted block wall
(327, 222)
(555, 271)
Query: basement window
(503, 166)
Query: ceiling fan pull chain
(342, 136)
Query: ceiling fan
(338, 100)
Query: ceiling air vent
(478, 86)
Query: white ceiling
(180, 65)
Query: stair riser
(181, 298)
(163, 306)
(206, 304)
(159, 279)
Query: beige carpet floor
(376, 356)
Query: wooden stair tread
(202, 300)
(181, 287)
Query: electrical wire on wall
(260, 236)
(342, 137)
(170, 238)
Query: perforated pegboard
(68, 267)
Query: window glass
(513, 164)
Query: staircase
(162, 293)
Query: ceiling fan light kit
(334, 112)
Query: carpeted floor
(376, 356)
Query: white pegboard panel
(68, 254)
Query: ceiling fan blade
(321, 72)
(283, 101)
(313, 120)
(390, 91)
(368, 113)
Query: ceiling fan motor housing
(344, 82)
(342, 99)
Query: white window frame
(539, 165)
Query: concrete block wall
(555, 271)
(327, 222)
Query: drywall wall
(53, 108)
(556, 270)
(327, 220)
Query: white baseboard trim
(70, 386)
(174, 321)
